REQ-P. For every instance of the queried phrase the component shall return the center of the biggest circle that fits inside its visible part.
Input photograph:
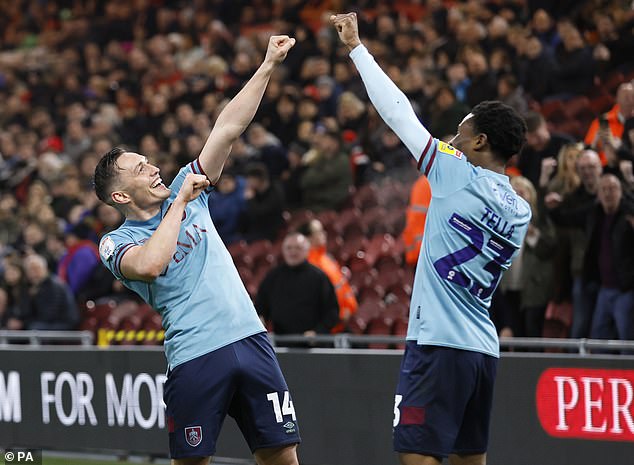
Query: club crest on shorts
(194, 435)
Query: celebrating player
(475, 226)
(168, 251)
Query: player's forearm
(233, 121)
(239, 112)
(158, 251)
(390, 102)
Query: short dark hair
(533, 120)
(105, 172)
(258, 170)
(504, 127)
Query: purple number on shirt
(446, 266)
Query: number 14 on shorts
(286, 407)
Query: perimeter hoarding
(548, 409)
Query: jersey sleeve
(392, 104)
(112, 248)
(195, 168)
(446, 168)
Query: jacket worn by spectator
(298, 298)
(621, 234)
(50, 306)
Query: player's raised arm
(237, 115)
(391, 103)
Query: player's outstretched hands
(278, 48)
(347, 28)
(192, 186)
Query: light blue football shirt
(475, 226)
(200, 296)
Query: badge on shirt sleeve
(106, 248)
(447, 149)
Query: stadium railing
(346, 341)
(37, 337)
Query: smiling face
(138, 182)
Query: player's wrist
(179, 202)
(353, 44)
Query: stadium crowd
(78, 77)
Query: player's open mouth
(157, 183)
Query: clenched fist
(192, 187)
(347, 28)
(278, 48)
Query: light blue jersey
(475, 226)
(200, 296)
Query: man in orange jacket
(611, 124)
(318, 257)
(419, 199)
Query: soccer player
(475, 226)
(168, 251)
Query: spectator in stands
(575, 63)
(327, 178)
(483, 81)
(618, 41)
(570, 212)
(536, 68)
(540, 144)
(109, 218)
(318, 256)
(536, 265)
(419, 199)
(80, 266)
(609, 261)
(458, 80)
(566, 179)
(447, 114)
(544, 29)
(268, 150)
(14, 284)
(284, 121)
(48, 302)
(262, 214)
(611, 125)
(390, 159)
(227, 205)
(297, 297)
(511, 93)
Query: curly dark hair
(504, 127)
(105, 173)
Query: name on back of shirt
(498, 224)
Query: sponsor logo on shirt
(447, 149)
(106, 248)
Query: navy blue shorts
(443, 401)
(243, 380)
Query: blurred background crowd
(78, 77)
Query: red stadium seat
(366, 197)
(374, 220)
(554, 111)
(601, 104)
(367, 311)
(389, 266)
(371, 292)
(350, 248)
(379, 326)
